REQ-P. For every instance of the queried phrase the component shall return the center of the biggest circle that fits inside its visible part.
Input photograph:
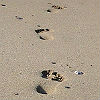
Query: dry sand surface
(58, 35)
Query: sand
(73, 45)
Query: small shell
(78, 72)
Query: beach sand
(59, 35)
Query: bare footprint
(44, 34)
(49, 86)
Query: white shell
(78, 72)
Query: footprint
(47, 87)
(44, 34)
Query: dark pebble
(48, 10)
(68, 87)
(3, 5)
(16, 94)
(53, 62)
(47, 29)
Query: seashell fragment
(78, 72)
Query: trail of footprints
(52, 79)
(51, 82)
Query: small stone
(48, 10)
(3, 5)
(53, 62)
(46, 29)
(16, 93)
(68, 87)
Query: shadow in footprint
(41, 38)
(39, 89)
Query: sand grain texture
(74, 45)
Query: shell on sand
(46, 36)
(47, 87)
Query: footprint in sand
(50, 85)
(44, 34)
(55, 8)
